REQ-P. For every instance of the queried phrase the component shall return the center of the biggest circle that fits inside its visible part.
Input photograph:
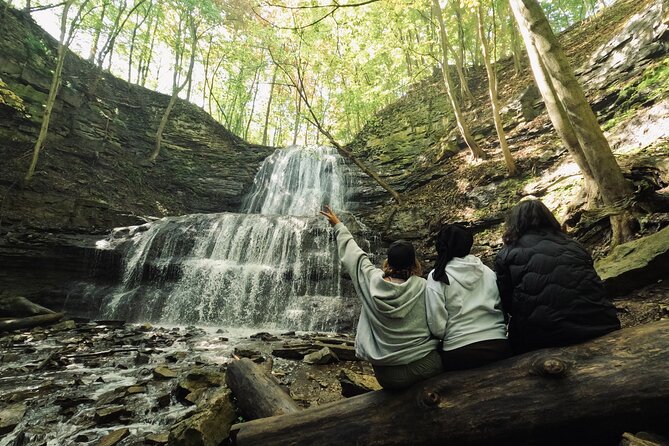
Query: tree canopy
(356, 57)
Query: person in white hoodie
(463, 304)
(392, 332)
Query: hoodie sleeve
(355, 260)
(504, 283)
(435, 307)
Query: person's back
(549, 287)
(463, 304)
(392, 332)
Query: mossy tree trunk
(614, 189)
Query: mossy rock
(635, 264)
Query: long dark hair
(452, 241)
(526, 215)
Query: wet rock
(114, 438)
(176, 357)
(208, 426)
(635, 264)
(163, 372)
(66, 402)
(133, 390)
(157, 439)
(108, 414)
(322, 356)
(164, 400)
(141, 359)
(194, 386)
(264, 336)
(10, 417)
(353, 384)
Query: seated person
(392, 331)
(548, 284)
(463, 305)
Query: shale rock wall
(92, 173)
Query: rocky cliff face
(92, 174)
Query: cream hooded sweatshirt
(392, 329)
(469, 309)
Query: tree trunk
(457, 112)
(459, 55)
(175, 91)
(269, 106)
(258, 393)
(492, 89)
(254, 88)
(53, 92)
(560, 121)
(96, 35)
(298, 111)
(614, 189)
(30, 322)
(586, 394)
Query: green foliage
(36, 46)
(355, 60)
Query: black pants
(475, 355)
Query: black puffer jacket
(549, 287)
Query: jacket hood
(466, 271)
(395, 300)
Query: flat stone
(163, 372)
(10, 417)
(108, 414)
(114, 438)
(132, 390)
(353, 384)
(322, 356)
(160, 438)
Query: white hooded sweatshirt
(392, 329)
(469, 309)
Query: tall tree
(66, 35)
(614, 189)
(492, 90)
(192, 24)
(461, 123)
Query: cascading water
(274, 266)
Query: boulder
(209, 426)
(10, 417)
(114, 437)
(353, 384)
(322, 356)
(635, 264)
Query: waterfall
(272, 266)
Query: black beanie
(401, 255)
(452, 241)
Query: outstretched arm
(354, 259)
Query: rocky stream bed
(108, 382)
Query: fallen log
(258, 393)
(589, 393)
(30, 322)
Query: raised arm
(353, 258)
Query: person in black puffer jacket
(548, 284)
